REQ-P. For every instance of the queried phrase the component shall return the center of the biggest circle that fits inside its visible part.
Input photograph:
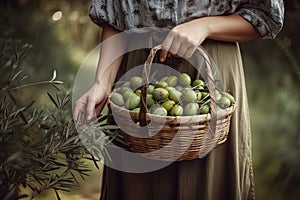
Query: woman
(226, 173)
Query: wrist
(102, 85)
(204, 24)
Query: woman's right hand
(92, 102)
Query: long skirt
(225, 173)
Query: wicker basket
(171, 138)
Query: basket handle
(209, 80)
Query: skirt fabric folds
(225, 173)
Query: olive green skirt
(225, 173)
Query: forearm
(231, 28)
(108, 65)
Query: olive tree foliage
(40, 147)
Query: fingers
(90, 108)
(163, 55)
(165, 46)
(77, 110)
(178, 43)
(191, 48)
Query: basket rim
(173, 119)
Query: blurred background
(61, 35)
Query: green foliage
(40, 148)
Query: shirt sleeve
(109, 12)
(267, 16)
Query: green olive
(191, 109)
(174, 95)
(204, 109)
(176, 110)
(150, 100)
(161, 84)
(199, 95)
(117, 99)
(152, 108)
(135, 82)
(138, 92)
(218, 95)
(229, 96)
(224, 102)
(133, 102)
(168, 104)
(172, 81)
(150, 89)
(164, 79)
(127, 94)
(160, 94)
(169, 88)
(125, 89)
(185, 79)
(127, 84)
(198, 82)
(160, 111)
(204, 94)
(189, 95)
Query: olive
(135, 82)
(229, 96)
(152, 108)
(204, 109)
(185, 79)
(174, 95)
(172, 81)
(198, 82)
(125, 89)
(218, 95)
(161, 84)
(189, 95)
(150, 100)
(164, 79)
(150, 89)
(160, 94)
(176, 110)
(204, 94)
(138, 92)
(191, 109)
(132, 102)
(117, 99)
(224, 102)
(199, 95)
(160, 111)
(127, 84)
(168, 104)
(127, 94)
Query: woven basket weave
(171, 138)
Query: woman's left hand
(183, 40)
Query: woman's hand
(92, 102)
(183, 40)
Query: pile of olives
(170, 96)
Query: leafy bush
(40, 148)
